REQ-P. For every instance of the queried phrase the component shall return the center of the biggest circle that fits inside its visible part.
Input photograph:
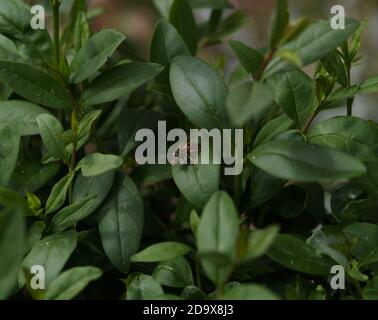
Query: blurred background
(137, 19)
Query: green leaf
(227, 27)
(304, 162)
(273, 128)
(166, 44)
(197, 182)
(163, 6)
(121, 222)
(95, 164)
(35, 85)
(143, 287)
(295, 254)
(15, 21)
(294, 92)
(71, 282)
(12, 234)
(250, 58)
(96, 187)
(331, 242)
(31, 176)
(34, 234)
(213, 4)
(181, 17)
(280, 21)
(52, 135)
(250, 292)
(175, 273)
(9, 148)
(94, 54)
(365, 249)
(161, 252)
(370, 85)
(20, 115)
(82, 31)
(315, 42)
(335, 66)
(152, 173)
(72, 214)
(370, 292)
(130, 121)
(248, 101)
(199, 92)
(52, 253)
(217, 233)
(259, 242)
(58, 194)
(352, 135)
(119, 81)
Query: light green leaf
(94, 54)
(20, 115)
(370, 85)
(95, 164)
(335, 66)
(161, 252)
(304, 162)
(71, 282)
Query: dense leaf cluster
(74, 201)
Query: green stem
(350, 100)
(55, 7)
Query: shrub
(79, 209)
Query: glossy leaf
(143, 287)
(199, 92)
(304, 162)
(58, 194)
(294, 92)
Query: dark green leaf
(143, 287)
(94, 54)
(175, 273)
(9, 147)
(71, 282)
(121, 223)
(35, 85)
(250, 58)
(348, 134)
(250, 292)
(199, 92)
(304, 162)
(279, 23)
(58, 194)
